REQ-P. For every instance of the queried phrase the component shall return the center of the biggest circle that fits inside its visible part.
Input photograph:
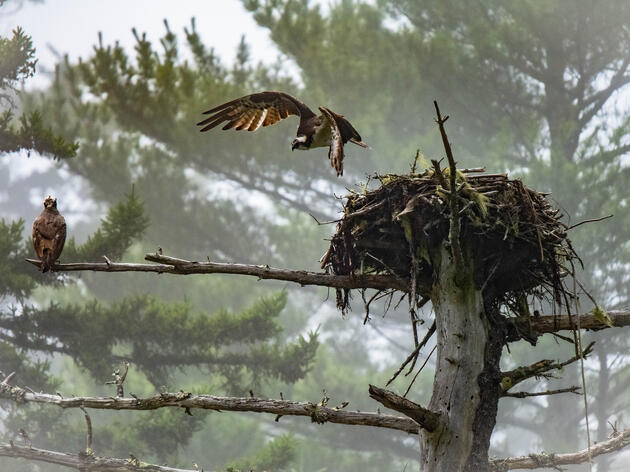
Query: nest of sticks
(514, 236)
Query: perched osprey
(49, 234)
(266, 108)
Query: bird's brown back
(49, 237)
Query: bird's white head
(299, 143)
(50, 202)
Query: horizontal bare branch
(574, 389)
(427, 419)
(317, 413)
(172, 265)
(83, 461)
(618, 440)
(551, 324)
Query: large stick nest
(514, 237)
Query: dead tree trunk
(466, 388)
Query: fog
(535, 91)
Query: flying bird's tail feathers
(348, 133)
(359, 143)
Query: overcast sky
(71, 26)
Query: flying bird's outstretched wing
(253, 111)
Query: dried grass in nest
(512, 234)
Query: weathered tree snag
(466, 387)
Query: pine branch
(617, 441)
(172, 265)
(317, 412)
(427, 419)
(83, 461)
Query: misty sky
(71, 26)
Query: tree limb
(551, 324)
(316, 412)
(83, 461)
(618, 440)
(539, 369)
(575, 390)
(172, 265)
(427, 419)
(452, 199)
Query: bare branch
(172, 265)
(551, 324)
(316, 412)
(88, 422)
(427, 419)
(574, 389)
(414, 354)
(617, 441)
(539, 369)
(83, 461)
(591, 220)
(119, 380)
(452, 200)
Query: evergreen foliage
(17, 63)
(277, 454)
(125, 222)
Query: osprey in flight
(49, 234)
(266, 108)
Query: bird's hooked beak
(295, 144)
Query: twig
(592, 220)
(414, 354)
(324, 222)
(420, 370)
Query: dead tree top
(512, 234)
